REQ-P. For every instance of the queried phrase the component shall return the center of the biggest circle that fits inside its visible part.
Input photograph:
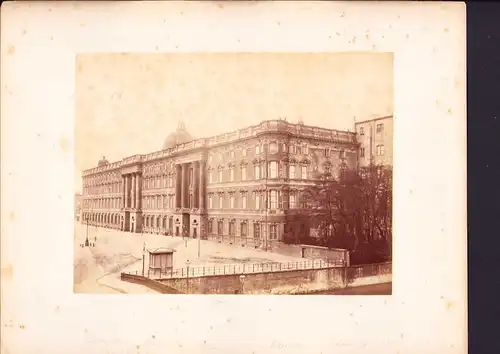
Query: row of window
(103, 189)
(379, 128)
(296, 172)
(276, 200)
(272, 148)
(379, 150)
(216, 227)
(108, 203)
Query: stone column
(184, 186)
(201, 185)
(123, 192)
(196, 181)
(126, 191)
(178, 184)
(132, 190)
(137, 191)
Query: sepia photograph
(234, 173)
(161, 159)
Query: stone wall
(150, 283)
(313, 252)
(285, 282)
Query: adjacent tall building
(237, 187)
(375, 141)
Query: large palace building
(239, 187)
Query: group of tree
(351, 211)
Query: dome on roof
(180, 136)
(102, 162)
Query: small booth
(161, 261)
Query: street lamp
(187, 276)
(199, 240)
(143, 257)
(184, 235)
(242, 281)
(87, 234)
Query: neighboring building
(78, 207)
(218, 186)
(375, 141)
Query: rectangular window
(257, 149)
(273, 169)
(257, 200)
(210, 202)
(293, 201)
(361, 131)
(231, 201)
(243, 200)
(291, 171)
(210, 227)
(303, 172)
(221, 201)
(380, 128)
(273, 200)
(256, 172)
(210, 177)
(326, 152)
(380, 150)
(273, 232)
(243, 229)
(231, 174)
(362, 152)
(256, 230)
(244, 152)
(220, 176)
(231, 228)
(342, 154)
(243, 173)
(220, 227)
(298, 150)
(232, 154)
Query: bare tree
(352, 211)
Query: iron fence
(244, 268)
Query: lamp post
(187, 276)
(199, 240)
(143, 257)
(87, 233)
(242, 282)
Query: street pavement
(97, 269)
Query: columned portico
(131, 220)
(190, 198)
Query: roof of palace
(180, 136)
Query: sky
(127, 103)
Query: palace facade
(237, 187)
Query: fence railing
(245, 268)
